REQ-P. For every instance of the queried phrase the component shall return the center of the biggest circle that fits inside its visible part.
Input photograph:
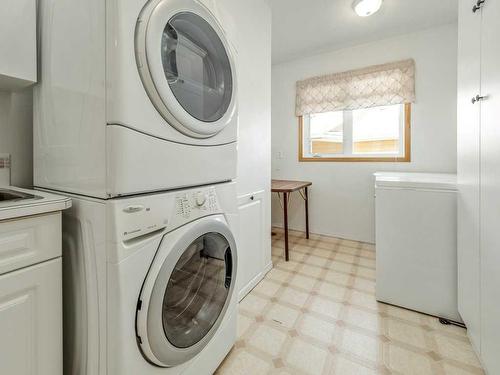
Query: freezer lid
(438, 181)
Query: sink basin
(8, 195)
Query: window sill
(382, 159)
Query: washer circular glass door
(184, 300)
(186, 66)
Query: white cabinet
(18, 43)
(252, 242)
(479, 177)
(490, 186)
(31, 282)
(468, 164)
(30, 320)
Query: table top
(288, 186)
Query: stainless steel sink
(8, 195)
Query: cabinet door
(468, 168)
(17, 43)
(251, 237)
(490, 187)
(31, 320)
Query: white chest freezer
(416, 246)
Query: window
(370, 134)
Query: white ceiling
(303, 27)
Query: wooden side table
(286, 187)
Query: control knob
(200, 198)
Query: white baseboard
(343, 237)
(253, 283)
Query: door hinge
(479, 5)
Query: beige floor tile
(254, 304)
(310, 270)
(317, 314)
(363, 319)
(244, 363)
(367, 253)
(342, 267)
(408, 362)
(337, 277)
(294, 297)
(278, 275)
(363, 299)
(350, 243)
(365, 285)
(306, 357)
(406, 333)
(366, 262)
(317, 328)
(450, 369)
(457, 349)
(317, 261)
(346, 258)
(366, 347)
(366, 272)
(244, 323)
(268, 340)
(267, 288)
(283, 315)
(326, 307)
(303, 282)
(320, 252)
(345, 366)
(331, 290)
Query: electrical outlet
(4, 169)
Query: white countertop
(416, 180)
(45, 202)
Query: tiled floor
(317, 314)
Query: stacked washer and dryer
(136, 119)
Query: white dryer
(150, 289)
(134, 96)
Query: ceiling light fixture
(365, 8)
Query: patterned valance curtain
(392, 83)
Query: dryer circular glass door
(186, 294)
(186, 66)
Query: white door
(251, 239)
(468, 168)
(490, 187)
(186, 66)
(31, 320)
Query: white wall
(342, 202)
(16, 134)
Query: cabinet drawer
(30, 240)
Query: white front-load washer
(150, 283)
(134, 96)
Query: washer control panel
(138, 216)
(196, 203)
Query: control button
(200, 198)
(133, 208)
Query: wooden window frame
(364, 159)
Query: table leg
(285, 223)
(306, 200)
